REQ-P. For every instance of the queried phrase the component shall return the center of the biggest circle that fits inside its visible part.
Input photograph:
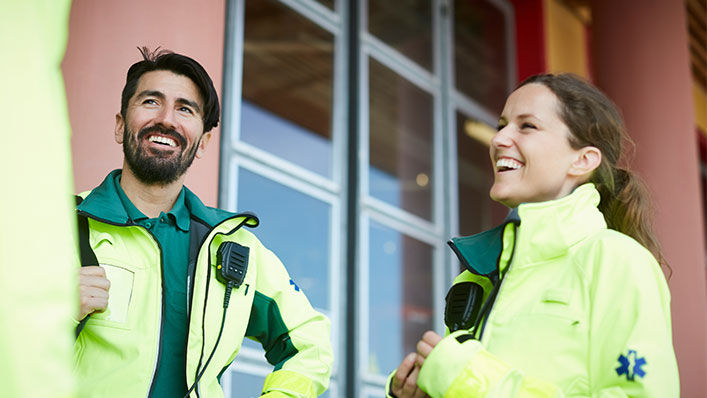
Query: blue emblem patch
(295, 285)
(631, 365)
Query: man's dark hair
(181, 65)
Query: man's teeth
(162, 140)
(508, 164)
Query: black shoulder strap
(88, 257)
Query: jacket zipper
(501, 278)
(246, 218)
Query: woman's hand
(426, 345)
(404, 383)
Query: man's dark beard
(153, 167)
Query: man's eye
(149, 101)
(185, 109)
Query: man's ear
(203, 143)
(588, 159)
(119, 128)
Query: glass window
(400, 296)
(477, 212)
(246, 385)
(405, 25)
(287, 85)
(400, 142)
(296, 227)
(480, 64)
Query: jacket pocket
(122, 280)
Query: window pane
(400, 296)
(245, 385)
(405, 25)
(477, 212)
(480, 63)
(401, 142)
(287, 85)
(296, 227)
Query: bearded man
(179, 284)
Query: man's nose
(167, 117)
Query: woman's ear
(588, 159)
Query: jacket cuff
(446, 361)
(285, 383)
(389, 385)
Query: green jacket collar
(104, 203)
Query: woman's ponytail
(625, 203)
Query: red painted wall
(641, 61)
(103, 36)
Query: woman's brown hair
(593, 119)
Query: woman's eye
(500, 127)
(528, 126)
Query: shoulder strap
(88, 257)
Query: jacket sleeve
(295, 337)
(630, 346)
(630, 323)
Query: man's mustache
(164, 131)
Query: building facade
(358, 131)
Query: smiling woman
(535, 311)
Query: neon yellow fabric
(582, 311)
(288, 384)
(38, 283)
(115, 348)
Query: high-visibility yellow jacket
(117, 350)
(580, 311)
(38, 255)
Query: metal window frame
(235, 153)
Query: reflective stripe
(291, 383)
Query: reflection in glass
(480, 62)
(477, 212)
(400, 296)
(287, 85)
(401, 142)
(296, 227)
(405, 25)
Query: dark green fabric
(266, 325)
(101, 203)
(480, 253)
(172, 232)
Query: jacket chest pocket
(120, 296)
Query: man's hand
(404, 384)
(426, 345)
(93, 290)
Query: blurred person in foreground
(38, 254)
(566, 297)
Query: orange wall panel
(103, 41)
